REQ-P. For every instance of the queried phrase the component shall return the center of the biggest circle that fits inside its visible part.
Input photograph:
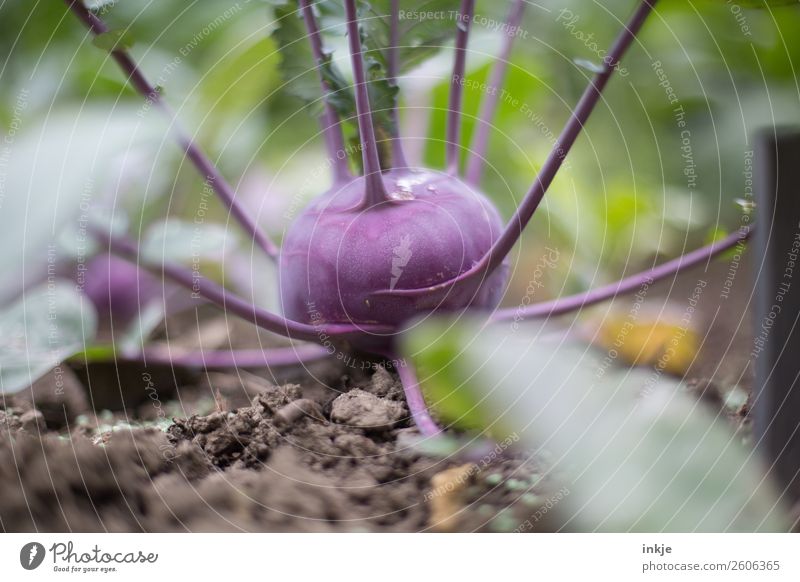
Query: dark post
(776, 344)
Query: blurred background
(662, 166)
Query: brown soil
(325, 448)
(292, 458)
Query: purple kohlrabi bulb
(117, 288)
(337, 253)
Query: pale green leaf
(638, 453)
(58, 171)
(190, 243)
(44, 327)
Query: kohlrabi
(421, 229)
(389, 242)
(118, 289)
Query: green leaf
(637, 451)
(714, 234)
(117, 39)
(58, 170)
(47, 325)
(139, 330)
(340, 96)
(180, 241)
(298, 66)
(302, 79)
(236, 82)
(300, 69)
(766, 3)
(382, 94)
(95, 353)
(76, 246)
(424, 27)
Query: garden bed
(326, 448)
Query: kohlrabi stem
(329, 120)
(393, 61)
(415, 400)
(393, 68)
(203, 288)
(568, 136)
(202, 163)
(480, 142)
(375, 191)
(242, 358)
(469, 281)
(623, 286)
(457, 86)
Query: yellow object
(668, 344)
(445, 496)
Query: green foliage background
(622, 200)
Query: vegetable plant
(387, 242)
(118, 289)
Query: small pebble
(32, 421)
(362, 409)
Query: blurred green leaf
(112, 40)
(95, 353)
(180, 241)
(58, 169)
(239, 80)
(765, 3)
(715, 233)
(47, 325)
(638, 452)
(139, 330)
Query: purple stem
(627, 285)
(201, 162)
(393, 62)
(416, 401)
(489, 107)
(375, 191)
(569, 135)
(218, 295)
(329, 119)
(393, 66)
(243, 358)
(456, 87)
(469, 281)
